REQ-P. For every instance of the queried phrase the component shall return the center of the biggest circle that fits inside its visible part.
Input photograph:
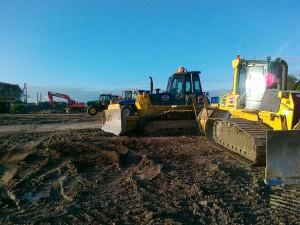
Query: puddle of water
(32, 197)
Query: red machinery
(71, 104)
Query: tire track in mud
(225, 193)
(90, 164)
(249, 197)
(87, 176)
(210, 202)
(116, 196)
(38, 179)
(286, 198)
(42, 175)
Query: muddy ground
(62, 169)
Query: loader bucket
(114, 121)
(282, 157)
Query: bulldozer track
(172, 122)
(251, 143)
(233, 155)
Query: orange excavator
(71, 104)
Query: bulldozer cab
(255, 79)
(262, 111)
(252, 79)
(183, 84)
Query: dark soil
(86, 176)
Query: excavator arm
(70, 101)
(50, 96)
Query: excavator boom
(71, 103)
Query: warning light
(181, 70)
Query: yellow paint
(144, 106)
(235, 65)
(280, 120)
(114, 106)
(142, 101)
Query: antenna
(240, 46)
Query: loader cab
(127, 94)
(182, 84)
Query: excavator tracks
(247, 138)
(172, 122)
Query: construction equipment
(169, 112)
(127, 98)
(71, 104)
(128, 95)
(93, 107)
(259, 119)
(127, 103)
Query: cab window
(197, 86)
(176, 87)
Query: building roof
(10, 91)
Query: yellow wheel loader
(259, 119)
(169, 112)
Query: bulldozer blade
(114, 121)
(283, 157)
(203, 117)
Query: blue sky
(84, 48)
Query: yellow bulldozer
(259, 119)
(155, 112)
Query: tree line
(293, 83)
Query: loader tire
(92, 111)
